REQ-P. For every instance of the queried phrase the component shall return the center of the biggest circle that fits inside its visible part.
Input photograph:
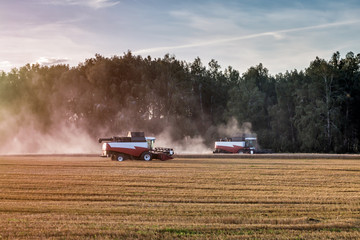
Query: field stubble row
(91, 197)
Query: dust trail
(232, 129)
(22, 135)
(187, 145)
(197, 144)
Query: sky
(283, 35)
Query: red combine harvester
(134, 146)
(236, 145)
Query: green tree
(282, 114)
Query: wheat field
(88, 197)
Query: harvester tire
(120, 157)
(146, 156)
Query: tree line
(312, 110)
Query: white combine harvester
(236, 145)
(134, 146)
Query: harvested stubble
(90, 197)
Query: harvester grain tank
(134, 146)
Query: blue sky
(282, 35)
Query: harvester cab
(250, 144)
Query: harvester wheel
(146, 156)
(120, 157)
(240, 152)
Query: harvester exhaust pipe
(105, 139)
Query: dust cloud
(200, 145)
(232, 129)
(22, 135)
(187, 145)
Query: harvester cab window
(250, 143)
(151, 143)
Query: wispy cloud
(275, 34)
(51, 61)
(96, 4)
(46, 44)
(280, 34)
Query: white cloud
(5, 65)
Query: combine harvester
(134, 146)
(236, 145)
